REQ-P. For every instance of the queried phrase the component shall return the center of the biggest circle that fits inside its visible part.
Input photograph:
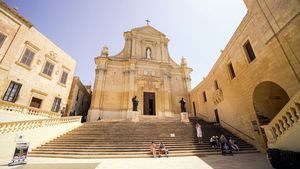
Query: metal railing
(251, 138)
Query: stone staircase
(127, 139)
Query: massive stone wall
(272, 28)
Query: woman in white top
(199, 132)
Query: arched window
(148, 53)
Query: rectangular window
(35, 102)
(231, 70)
(56, 104)
(249, 51)
(2, 39)
(204, 96)
(216, 85)
(27, 57)
(64, 77)
(48, 69)
(12, 92)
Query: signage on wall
(20, 154)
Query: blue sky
(197, 29)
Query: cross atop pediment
(147, 21)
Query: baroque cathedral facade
(144, 68)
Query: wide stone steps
(123, 151)
(135, 155)
(146, 155)
(127, 139)
(127, 149)
(108, 146)
(100, 142)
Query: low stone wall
(36, 132)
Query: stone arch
(268, 99)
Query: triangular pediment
(148, 30)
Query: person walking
(199, 132)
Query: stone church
(144, 69)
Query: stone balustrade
(284, 120)
(8, 106)
(8, 127)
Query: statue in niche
(182, 105)
(148, 53)
(135, 103)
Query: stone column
(125, 95)
(187, 81)
(131, 86)
(96, 103)
(133, 48)
(167, 95)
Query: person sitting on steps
(153, 149)
(213, 141)
(162, 149)
(225, 148)
(233, 145)
(217, 140)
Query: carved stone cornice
(52, 56)
(99, 70)
(4, 6)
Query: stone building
(33, 70)
(79, 99)
(256, 74)
(144, 69)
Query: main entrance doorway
(149, 103)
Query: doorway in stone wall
(268, 99)
(195, 112)
(149, 103)
(217, 116)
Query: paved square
(238, 161)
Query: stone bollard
(184, 117)
(135, 116)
